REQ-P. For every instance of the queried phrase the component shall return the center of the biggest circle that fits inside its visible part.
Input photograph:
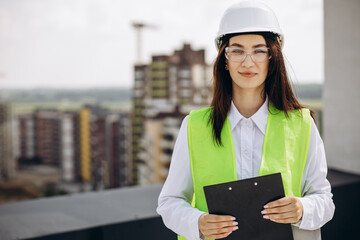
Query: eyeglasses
(237, 54)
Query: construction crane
(138, 26)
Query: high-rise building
(169, 133)
(110, 148)
(77, 145)
(68, 147)
(161, 89)
(26, 138)
(120, 150)
(47, 136)
(125, 153)
(7, 159)
(140, 93)
(84, 149)
(91, 146)
(98, 152)
(158, 142)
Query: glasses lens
(260, 54)
(236, 54)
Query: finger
(282, 209)
(218, 218)
(285, 220)
(205, 226)
(222, 230)
(217, 225)
(280, 202)
(284, 217)
(281, 215)
(218, 236)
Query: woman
(255, 126)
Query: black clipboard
(245, 199)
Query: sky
(91, 43)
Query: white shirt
(248, 137)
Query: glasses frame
(245, 56)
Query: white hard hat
(248, 16)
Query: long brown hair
(277, 85)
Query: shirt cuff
(308, 210)
(196, 232)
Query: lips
(248, 74)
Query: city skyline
(92, 44)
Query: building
(68, 146)
(26, 138)
(161, 89)
(99, 144)
(159, 140)
(106, 158)
(7, 159)
(140, 93)
(91, 146)
(120, 150)
(47, 137)
(84, 148)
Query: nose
(248, 62)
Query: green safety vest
(285, 149)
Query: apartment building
(161, 89)
(7, 159)
(47, 136)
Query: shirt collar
(234, 116)
(259, 118)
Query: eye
(260, 50)
(237, 51)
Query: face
(248, 75)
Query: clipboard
(245, 199)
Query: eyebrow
(255, 46)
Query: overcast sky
(91, 43)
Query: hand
(217, 226)
(284, 210)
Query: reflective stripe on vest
(285, 149)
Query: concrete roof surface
(39, 217)
(46, 216)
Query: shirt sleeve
(318, 206)
(177, 192)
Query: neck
(248, 102)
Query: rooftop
(40, 217)
(111, 209)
